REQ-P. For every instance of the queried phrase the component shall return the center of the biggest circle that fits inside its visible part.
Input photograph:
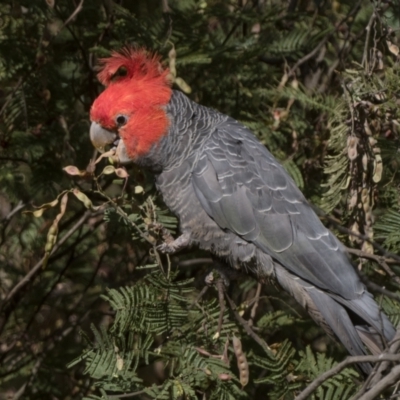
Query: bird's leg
(171, 246)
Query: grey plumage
(235, 200)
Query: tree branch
(32, 273)
(304, 395)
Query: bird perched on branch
(232, 197)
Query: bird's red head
(131, 108)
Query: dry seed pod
(369, 218)
(367, 128)
(394, 49)
(172, 61)
(355, 229)
(224, 377)
(352, 142)
(376, 150)
(378, 169)
(365, 162)
(242, 363)
(353, 200)
(372, 141)
(367, 248)
(364, 195)
(380, 97)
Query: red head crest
(131, 63)
(137, 87)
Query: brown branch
(310, 55)
(10, 96)
(77, 10)
(382, 261)
(373, 286)
(165, 6)
(376, 375)
(316, 383)
(390, 379)
(343, 229)
(255, 305)
(18, 207)
(221, 291)
(247, 327)
(32, 273)
(364, 61)
(127, 395)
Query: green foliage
(307, 77)
(341, 386)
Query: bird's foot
(172, 246)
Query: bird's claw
(167, 248)
(172, 246)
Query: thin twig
(247, 327)
(343, 229)
(373, 286)
(379, 259)
(316, 383)
(77, 10)
(364, 61)
(310, 55)
(10, 96)
(18, 207)
(127, 395)
(255, 305)
(32, 273)
(221, 291)
(377, 373)
(390, 379)
(165, 6)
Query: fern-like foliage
(341, 386)
(305, 76)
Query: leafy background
(89, 309)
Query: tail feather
(367, 309)
(357, 323)
(371, 339)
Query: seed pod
(369, 218)
(355, 229)
(242, 363)
(364, 195)
(224, 377)
(121, 173)
(109, 169)
(365, 162)
(367, 248)
(183, 85)
(352, 142)
(372, 141)
(367, 128)
(172, 61)
(378, 169)
(119, 363)
(353, 200)
(376, 150)
(394, 49)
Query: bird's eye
(121, 120)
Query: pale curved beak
(101, 138)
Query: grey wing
(245, 190)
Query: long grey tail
(358, 324)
